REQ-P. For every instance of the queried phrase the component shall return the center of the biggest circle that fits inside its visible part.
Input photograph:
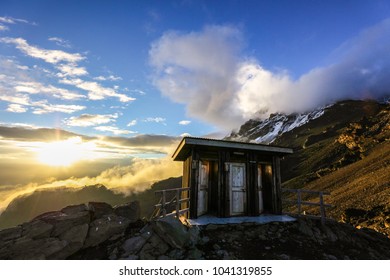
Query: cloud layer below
(124, 164)
(208, 72)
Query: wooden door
(237, 183)
(203, 187)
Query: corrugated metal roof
(187, 143)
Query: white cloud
(108, 78)
(3, 27)
(23, 67)
(16, 108)
(17, 87)
(90, 120)
(4, 21)
(198, 69)
(97, 91)
(38, 88)
(39, 107)
(138, 91)
(24, 125)
(113, 130)
(50, 56)
(71, 70)
(156, 120)
(60, 42)
(184, 122)
(11, 20)
(43, 107)
(21, 99)
(208, 72)
(132, 123)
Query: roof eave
(189, 141)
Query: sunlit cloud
(21, 99)
(60, 42)
(4, 21)
(108, 78)
(38, 88)
(96, 91)
(50, 56)
(209, 73)
(65, 153)
(156, 120)
(143, 140)
(90, 120)
(132, 123)
(184, 122)
(71, 70)
(16, 108)
(39, 107)
(43, 107)
(138, 175)
(56, 158)
(113, 130)
(138, 91)
(3, 27)
(11, 20)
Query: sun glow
(65, 153)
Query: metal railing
(171, 203)
(299, 203)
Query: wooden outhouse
(228, 178)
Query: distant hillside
(25, 208)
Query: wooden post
(299, 202)
(322, 208)
(164, 211)
(178, 191)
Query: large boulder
(131, 211)
(37, 229)
(63, 222)
(102, 229)
(26, 248)
(99, 209)
(73, 209)
(10, 234)
(172, 231)
(74, 238)
(133, 245)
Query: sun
(64, 153)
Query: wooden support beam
(178, 193)
(322, 209)
(164, 200)
(299, 203)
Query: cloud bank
(209, 73)
(123, 164)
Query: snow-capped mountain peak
(266, 131)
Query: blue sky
(114, 39)
(102, 91)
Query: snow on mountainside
(266, 131)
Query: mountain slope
(346, 151)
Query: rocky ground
(303, 239)
(99, 231)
